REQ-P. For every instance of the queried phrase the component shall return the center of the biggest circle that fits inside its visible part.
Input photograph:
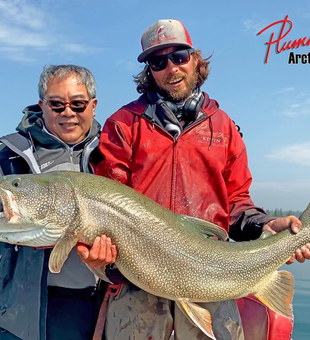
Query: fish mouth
(15, 229)
(10, 212)
(11, 220)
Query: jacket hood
(32, 123)
(32, 116)
(209, 106)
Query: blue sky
(271, 102)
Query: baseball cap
(162, 34)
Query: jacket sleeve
(248, 224)
(246, 219)
(11, 163)
(115, 148)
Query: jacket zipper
(174, 164)
(174, 157)
(173, 176)
(174, 144)
(71, 155)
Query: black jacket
(23, 270)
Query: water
(301, 300)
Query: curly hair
(145, 80)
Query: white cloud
(253, 26)
(28, 31)
(285, 90)
(282, 187)
(127, 65)
(16, 36)
(19, 12)
(296, 104)
(79, 48)
(302, 95)
(297, 153)
(296, 109)
(16, 54)
(284, 195)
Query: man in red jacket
(175, 145)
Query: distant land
(283, 213)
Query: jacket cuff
(250, 225)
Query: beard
(176, 95)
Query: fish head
(37, 209)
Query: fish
(169, 255)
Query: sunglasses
(160, 62)
(77, 106)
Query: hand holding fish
(100, 254)
(294, 223)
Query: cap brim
(143, 56)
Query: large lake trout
(166, 254)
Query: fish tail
(278, 293)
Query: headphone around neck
(191, 107)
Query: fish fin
(265, 234)
(61, 252)
(278, 293)
(206, 228)
(100, 272)
(198, 315)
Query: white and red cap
(164, 33)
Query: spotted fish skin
(166, 254)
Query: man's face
(176, 82)
(69, 126)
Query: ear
(40, 103)
(94, 104)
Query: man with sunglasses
(175, 145)
(60, 133)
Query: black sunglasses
(160, 62)
(77, 106)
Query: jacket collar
(141, 106)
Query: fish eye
(16, 182)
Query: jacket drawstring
(211, 129)
(153, 108)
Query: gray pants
(137, 315)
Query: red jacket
(204, 173)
